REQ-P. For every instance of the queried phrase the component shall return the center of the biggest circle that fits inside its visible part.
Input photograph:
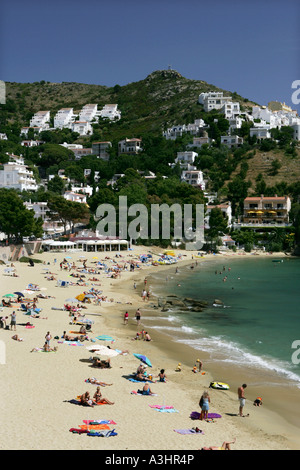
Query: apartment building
(16, 175)
(267, 210)
(82, 127)
(111, 112)
(89, 113)
(64, 118)
(194, 178)
(213, 100)
(40, 119)
(232, 141)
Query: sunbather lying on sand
(92, 380)
(103, 364)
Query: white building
(36, 130)
(3, 136)
(296, 128)
(130, 146)
(260, 132)
(226, 212)
(75, 197)
(213, 100)
(231, 141)
(199, 141)
(32, 143)
(40, 119)
(195, 129)
(15, 175)
(186, 158)
(89, 113)
(231, 110)
(64, 118)
(82, 127)
(194, 178)
(40, 209)
(111, 112)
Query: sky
(251, 47)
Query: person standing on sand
(13, 321)
(125, 318)
(241, 396)
(138, 316)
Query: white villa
(64, 118)
(194, 129)
(89, 113)
(75, 197)
(82, 127)
(111, 112)
(232, 141)
(130, 146)
(194, 178)
(213, 100)
(15, 175)
(40, 119)
(262, 132)
(186, 158)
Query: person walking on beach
(242, 399)
(138, 316)
(13, 321)
(125, 318)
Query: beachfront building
(130, 146)
(40, 119)
(41, 209)
(194, 178)
(88, 240)
(16, 175)
(101, 149)
(82, 127)
(111, 112)
(267, 210)
(64, 118)
(224, 208)
(232, 141)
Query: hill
(162, 99)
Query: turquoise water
(258, 321)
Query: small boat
(277, 260)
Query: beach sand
(36, 386)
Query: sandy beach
(37, 387)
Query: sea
(255, 322)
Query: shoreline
(53, 382)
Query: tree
(217, 223)
(56, 185)
(68, 212)
(15, 220)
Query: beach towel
(140, 392)
(188, 431)
(73, 343)
(105, 338)
(164, 409)
(94, 426)
(196, 415)
(103, 433)
(99, 421)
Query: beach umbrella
(144, 359)
(19, 293)
(80, 297)
(9, 295)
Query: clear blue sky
(251, 47)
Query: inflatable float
(219, 386)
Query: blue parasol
(144, 359)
